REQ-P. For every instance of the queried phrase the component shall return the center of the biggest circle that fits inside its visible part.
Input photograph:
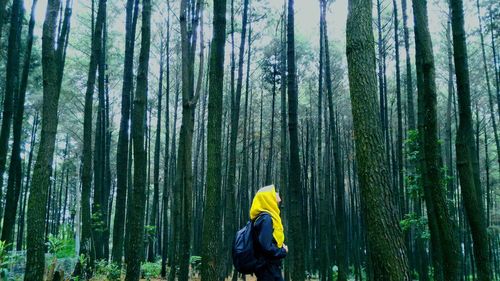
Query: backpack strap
(259, 216)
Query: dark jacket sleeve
(265, 238)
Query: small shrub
(63, 245)
(150, 270)
(6, 260)
(109, 270)
(335, 272)
(195, 262)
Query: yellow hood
(265, 201)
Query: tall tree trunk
(98, 206)
(294, 183)
(231, 218)
(399, 138)
(468, 170)
(381, 71)
(11, 85)
(199, 157)
(244, 175)
(448, 122)
(421, 165)
(109, 187)
(49, 202)
(166, 177)
(156, 165)
(488, 86)
(14, 181)
(123, 135)
(211, 258)
(324, 204)
(52, 66)
(21, 217)
(135, 254)
(229, 193)
(174, 201)
(411, 173)
(86, 242)
(284, 135)
(129, 189)
(340, 216)
(445, 247)
(409, 85)
(270, 157)
(388, 255)
(184, 176)
(495, 57)
(3, 4)
(257, 181)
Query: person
(269, 236)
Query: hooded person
(268, 233)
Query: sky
(306, 19)
(307, 16)
(306, 24)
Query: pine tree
(387, 255)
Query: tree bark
(495, 57)
(445, 247)
(399, 137)
(294, 183)
(156, 166)
(14, 181)
(244, 174)
(268, 176)
(324, 204)
(211, 258)
(86, 242)
(11, 85)
(52, 67)
(468, 170)
(3, 4)
(123, 135)
(230, 220)
(388, 255)
(409, 84)
(175, 195)
(184, 176)
(166, 176)
(99, 204)
(21, 218)
(488, 85)
(135, 254)
(340, 216)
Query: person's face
(278, 198)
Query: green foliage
(352, 273)
(414, 275)
(412, 145)
(108, 270)
(150, 270)
(413, 177)
(54, 244)
(195, 262)
(420, 223)
(97, 220)
(62, 246)
(335, 273)
(6, 260)
(83, 260)
(413, 187)
(150, 230)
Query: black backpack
(244, 259)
